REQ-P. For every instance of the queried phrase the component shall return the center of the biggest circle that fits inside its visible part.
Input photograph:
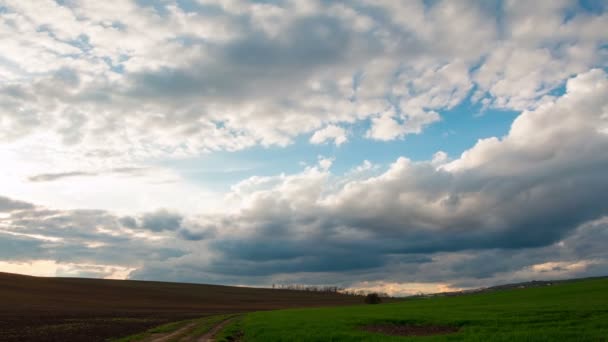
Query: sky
(395, 146)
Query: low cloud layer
(49, 177)
(7, 204)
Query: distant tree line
(328, 289)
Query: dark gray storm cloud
(196, 233)
(161, 220)
(17, 248)
(128, 221)
(92, 237)
(255, 66)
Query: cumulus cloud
(188, 78)
(531, 191)
(128, 221)
(331, 132)
(161, 220)
(533, 203)
(387, 127)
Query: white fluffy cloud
(175, 79)
(331, 132)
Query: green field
(576, 311)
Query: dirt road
(183, 331)
(210, 335)
(183, 334)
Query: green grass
(576, 311)
(231, 332)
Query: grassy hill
(576, 311)
(76, 309)
(72, 309)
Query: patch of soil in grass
(410, 329)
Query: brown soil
(166, 337)
(410, 329)
(76, 309)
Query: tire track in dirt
(171, 336)
(210, 335)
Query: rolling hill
(560, 311)
(78, 309)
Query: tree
(373, 298)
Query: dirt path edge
(170, 336)
(210, 335)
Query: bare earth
(37, 309)
(170, 336)
(185, 332)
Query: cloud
(50, 268)
(331, 132)
(503, 194)
(197, 233)
(161, 220)
(325, 163)
(98, 87)
(78, 237)
(128, 221)
(496, 213)
(399, 289)
(177, 79)
(49, 177)
(386, 127)
(7, 205)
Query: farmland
(76, 309)
(566, 311)
(64, 309)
